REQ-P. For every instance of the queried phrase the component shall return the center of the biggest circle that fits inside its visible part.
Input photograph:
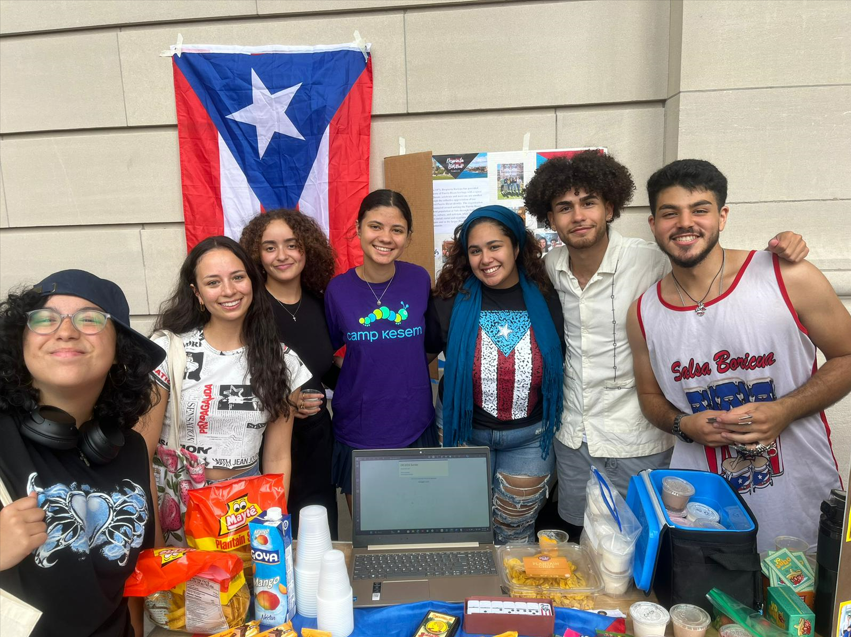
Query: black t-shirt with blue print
(98, 518)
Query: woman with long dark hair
(293, 254)
(377, 310)
(238, 378)
(77, 475)
(499, 323)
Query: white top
(748, 347)
(224, 422)
(600, 403)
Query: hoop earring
(203, 307)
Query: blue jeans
(521, 479)
(250, 472)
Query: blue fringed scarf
(464, 330)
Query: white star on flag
(504, 331)
(268, 113)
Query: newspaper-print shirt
(224, 422)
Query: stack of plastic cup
(314, 540)
(334, 596)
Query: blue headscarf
(463, 333)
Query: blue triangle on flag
(505, 328)
(223, 84)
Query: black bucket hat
(105, 294)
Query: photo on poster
(510, 184)
(460, 185)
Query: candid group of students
(267, 328)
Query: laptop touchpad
(404, 592)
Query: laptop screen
(424, 495)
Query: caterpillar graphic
(385, 312)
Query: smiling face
(580, 219)
(687, 224)
(492, 257)
(67, 359)
(383, 234)
(280, 255)
(223, 286)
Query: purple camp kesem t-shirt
(383, 397)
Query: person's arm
(23, 530)
(277, 457)
(150, 426)
(655, 407)
(789, 246)
(136, 605)
(434, 343)
(828, 325)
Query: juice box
(274, 576)
(786, 610)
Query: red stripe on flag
(477, 371)
(504, 385)
(199, 165)
(537, 373)
(348, 169)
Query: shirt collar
(613, 253)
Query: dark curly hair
(126, 396)
(591, 170)
(691, 174)
(181, 313)
(318, 254)
(456, 270)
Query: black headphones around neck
(56, 429)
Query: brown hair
(456, 270)
(319, 256)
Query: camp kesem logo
(239, 512)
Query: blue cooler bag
(682, 564)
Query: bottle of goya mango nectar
(272, 552)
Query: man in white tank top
(724, 350)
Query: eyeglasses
(47, 321)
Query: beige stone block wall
(89, 167)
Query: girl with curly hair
(293, 255)
(238, 378)
(77, 475)
(499, 323)
(377, 310)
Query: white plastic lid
(274, 513)
(697, 510)
(677, 486)
(649, 613)
(693, 617)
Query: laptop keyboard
(431, 564)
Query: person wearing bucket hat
(498, 320)
(79, 507)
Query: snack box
(569, 577)
(493, 615)
(785, 609)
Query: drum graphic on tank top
(744, 473)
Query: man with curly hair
(598, 273)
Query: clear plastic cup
(333, 575)
(648, 619)
(614, 583)
(676, 493)
(616, 553)
(793, 544)
(695, 510)
(336, 615)
(311, 399)
(550, 540)
(306, 582)
(689, 620)
(314, 536)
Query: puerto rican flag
(274, 127)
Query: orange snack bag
(185, 589)
(217, 516)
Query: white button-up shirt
(600, 401)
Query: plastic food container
(552, 537)
(695, 510)
(616, 553)
(648, 619)
(689, 620)
(580, 590)
(614, 583)
(706, 523)
(676, 493)
(733, 630)
(794, 544)
(681, 521)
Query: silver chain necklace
(378, 298)
(297, 308)
(700, 310)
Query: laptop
(422, 527)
